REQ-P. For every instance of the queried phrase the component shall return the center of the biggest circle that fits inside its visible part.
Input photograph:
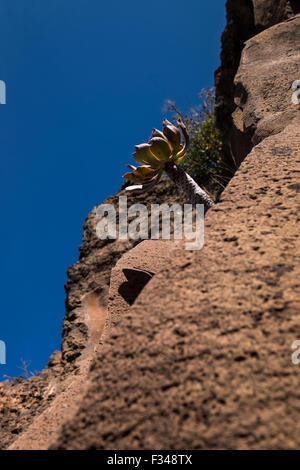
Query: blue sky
(86, 81)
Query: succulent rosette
(163, 148)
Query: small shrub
(203, 160)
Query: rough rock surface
(32, 410)
(45, 426)
(268, 13)
(22, 400)
(239, 28)
(88, 279)
(132, 273)
(245, 19)
(203, 359)
(263, 82)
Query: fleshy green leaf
(160, 148)
(143, 155)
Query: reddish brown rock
(22, 400)
(32, 410)
(267, 13)
(264, 79)
(46, 425)
(88, 279)
(203, 358)
(245, 19)
(239, 28)
(132, 273)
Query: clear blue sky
(86, 81)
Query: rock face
(44, 428)
(22, 400)
(33, 410)
(245, 19)
(132, 273)
(203, 358)
(239, 28)
(177, 349)
(89, 279)
(263, 82)
(268, 13)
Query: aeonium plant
(162, 153)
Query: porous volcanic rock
(263, 82)
(88, 279)
(33, 410)
(267, 13)
(239, 28)
(203, 358)
(131, 274)
(44, 426)
(245, 19)
(22, 399)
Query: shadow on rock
(136, 281)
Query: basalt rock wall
(203, 358)
(200, 356)
(245, 19)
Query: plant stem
(188, 186)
